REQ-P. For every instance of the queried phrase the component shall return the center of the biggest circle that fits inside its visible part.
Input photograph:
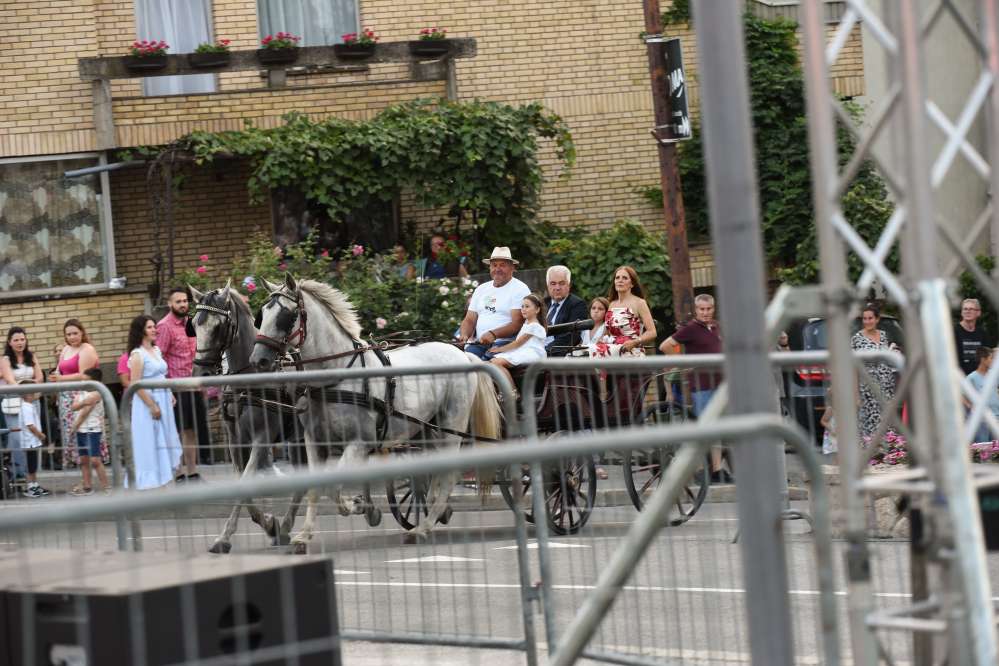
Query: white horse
(322, 323)
(224, 328)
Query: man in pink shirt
(178, 350)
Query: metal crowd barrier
(471, 583)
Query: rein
(232, 330)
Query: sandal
(601, 473)
(81, 491)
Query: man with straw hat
(493, 317)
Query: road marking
(435, 558)
(551, 544)
(347, 572)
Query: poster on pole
(678, 128)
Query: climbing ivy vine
(478, 159)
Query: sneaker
(80, 491)
(35, 491)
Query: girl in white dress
(598, 313)
(156, 449)
(530, 343)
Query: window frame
(106, 227)
(357, 16)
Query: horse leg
(289, 518)
(300, 543)
(440, 489)
(353, 454)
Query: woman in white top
(17, 365)
(530, 343)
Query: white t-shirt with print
(29, 416)
(493, 304)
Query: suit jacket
(573, 309)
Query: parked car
(805, 386)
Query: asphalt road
(684, 602)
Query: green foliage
(968, 288)
(678, 13)
(594, 257)
(780, 129)
(478, 158)
(385, 302)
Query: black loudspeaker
(93, 608)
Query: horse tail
(486, 421)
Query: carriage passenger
(530, 343)
(493, 317)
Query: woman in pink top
(75, 356)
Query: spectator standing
(493, 316)
(75, 357)
(969, 336)
(32, 438)
(403, 267)
(985, 356)
(17, 364)
(562, 306)
(702, 335)
(156, 447)
(436, 265)
(89, 427)
(177, 347)
(871, 338)
(124, 374)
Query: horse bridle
(232, 330)
(281, 346)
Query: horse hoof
(220, 548)
(374, 517)
(446, 516)
(300, 548)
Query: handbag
(11, 406)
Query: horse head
(216, 325)
(282, 324)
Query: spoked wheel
(570, 491)
(408, 501)
(504, 481)
(644, 469)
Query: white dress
(533, 350)
(156, 449)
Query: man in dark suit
(563, 306)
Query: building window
(55, 232)
(317, 22)
(183, 24)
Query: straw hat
(501, 253)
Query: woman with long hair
(73, 359)
(628, 324)
(156, 449)
(872, 338)
(18, 364)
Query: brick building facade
(581, 59)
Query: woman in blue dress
(156, 449)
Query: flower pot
(145, 63)
(206, 60)
(277, 56)
(354, 51)
(429, 48)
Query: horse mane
(336, 304)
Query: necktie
(555, 308)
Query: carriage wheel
(570, 491)
(503, 480)
(408, 502)
(643, 469)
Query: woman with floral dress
(76, 356)
(871, 338)
(628, 327)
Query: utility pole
(669, 175)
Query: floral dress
(882, 374)
(621, 325)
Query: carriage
(317, 322)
